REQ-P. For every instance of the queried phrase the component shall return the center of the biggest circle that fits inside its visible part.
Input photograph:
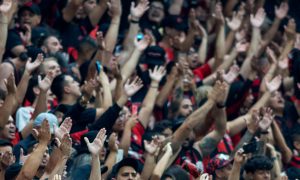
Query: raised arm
(33, 162)
(176, 6)
(125, 140)
(148, 103)
(202, 51)
(29, 68)
(95, 149)
(152, 149)
(161, 165)
(239, 160)
(234, 25)
(97, 12)
(68, 13)
(220, 43)
(115, 9)
(131, 64)
(211, 140)
(10, 100)
(5, 8)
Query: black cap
(175, 22)
(131, 162)
(32, 7)
(154, 55)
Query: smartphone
(250, 148)
(139, 36)
(98, 67)
(134, 109)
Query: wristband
(134, 21)
(220, 106)
(264, 132)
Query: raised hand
(290, 30)
(5, 6)
(10, 84)
(151, 147)
(64, 128)
(131, 88)
(66, 145)
(240, 35)
(113, 143)
(26, 37)
(239, 157)
(45, 84)
(31, 66)
(271, 55)
(115, 69)
(6, 159)
(274, 84)
(143, 44)
(283, 64)
(23, 157)
(138, 11)
(157, 74)
(114, 8)
(259, 18)
(100, 40)
(90, 85)
(219, 92)
(218, 15)
(267, 119)
(252, 123)
(235, 23)
(57, 177)
(282, 11)
(96, 146)
(132, 121)
(168, 148)
(43, 135)
(232, 74)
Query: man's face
(72, 86)
(51, 65)
(28, 17)
(89, 5)
(46, 157)
(262, 175)
(4, 149)
(8, 131)
(53, 45)
(193, 58)
(127, 173)
(156, 12)
(186, 107)
(224, 172)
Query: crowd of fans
(149, 89)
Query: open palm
(96, 146)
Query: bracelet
(220, 106)
(134, 21)
(264, 132)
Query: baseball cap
(175, 22)
(51, 118)
(219, 161)
(131, 162)
(154, 55)
(32, 7)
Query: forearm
(97, 13)
(202, 52)
(118, 89)
(229, 7)
(235, 172)
(267, 38)
(245, 139)
(107, 97)
(279, 139)
(95, 173)
(110, 162)
(59, 169)
(220, 120)
(125, 140)
(130, 65)
(276, 171)
(112, 34)
(262, 101)
(237, 125)
(69, 11)
(7, 109)
(148, 166)
(22, 87)
(161, 166)
(41, 105)
(148, 103)
(254, 45)
(129, 40)
(175, 8)
(228, 60)
(33, 162)
(287, 49)
(4, 21)
(220, 45)
(165, 91)
(229, 41)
